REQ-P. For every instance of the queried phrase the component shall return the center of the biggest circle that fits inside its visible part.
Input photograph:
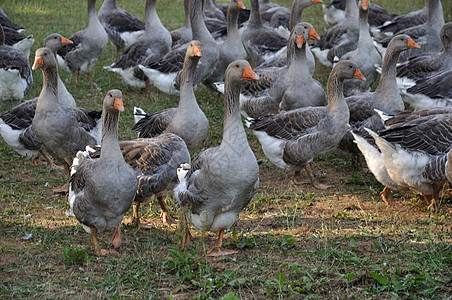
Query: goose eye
(237, 66)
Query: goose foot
(167, 219)
(145, 225)
(62, 189)
(76, 77)
(314, 182)
(385, 196)
(186, 239)
(116, 239)
(49, 161)
(216, 250)
(136, 217)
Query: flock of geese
(284, 106)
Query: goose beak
(359, 75)
(197, 51)
(299, 40)
(249, 75)
(413, 44)
(316, 1)
(241, 5)
(118, 104)
(38, 63)
(313, 35)
(65, 41)
(365, 4)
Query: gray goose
(232, 48)
(424, 65)
(6, 22)
(54, 124)
(164, 73)
(16, 79)
(261, 42)
(152, 45)
(122, 28)
(365, 56)
(187, 120)
(87, 45)
(18, 40)
(414, 153)
(339, 39)
(155, 162)
(427, 35)
(386, 96)
(102, 190)
(183, 34)
(292, 139)
(222, 180)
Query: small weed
(75, 256)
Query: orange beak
(249, 75)
(197, 51)
(299, 39)
(413, 44)
(118, 104)
(364, 4)
(65, 41)
(316, 1)
(359, 75)
(241, 5)
(38, 63)
(313, 35)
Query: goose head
(346, 69)
(44, 59)
(309, 29)
(194, 49)
(402, 42)
(363, 4)
(240, 71)
(113, 101)
(446, 35)
(55, 41)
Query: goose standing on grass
(151, 46)
(424, 65)
(414, 153)
(102, 190)
(261, 42)
(122, 28)
(292, 139)
(232, 48)
(427, 35)
(54, 124)
(88, 44)
(164, 74)
(222, 180)
(339, 39)
(187, 120)
(16, 79)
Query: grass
(293, 241)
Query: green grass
(294, 241)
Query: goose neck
(50, 81)
(2, 36)
(187, 95)
(232, 22)
(364, 34)
(298, 59)
(109, 140)
(351, 10)
(187, 13)
(335, 90)
(150, 15)
(108, 5)
(92, 16)
(296, 14)
(198, 27)
(233, 129)
(434, 10)
(255, 17)
(388, 79)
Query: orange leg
(186, 230)
(385, 195)
(314, 182)
(216, 250)
(65, 187)
(95, 241)
(116, 239)
(165, 216)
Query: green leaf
(382, 279)
(350, 276)
(352, 244)
(229, 296)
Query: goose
(425, 65)
(16, 120)
(401, 22)
(210, 197)
(427, 35)
(16, 79)
(182, 35)
(88, 44)
(214, 19)
(334, 12)
(18, 40)
(365, 56)
(6, 22)
(55, 125)
(339, 39)
(163, 73)
(261, 42)
(433, 91)
(244, 14)
(275, 16)
(414, 153)
(280, 58)
(122, 28)
(102, 190)
(187, 120)
(385, 98)
(292, 139)
(232, 48)
(151, 46)
(154, 161)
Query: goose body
(88, 44)
(18, 40)
(292, 139)
(15, 73)
(187, 120)
(152, 45)
(213, 196)
(102, 190)
(163, 73)
(182, 35)
(6, 22)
